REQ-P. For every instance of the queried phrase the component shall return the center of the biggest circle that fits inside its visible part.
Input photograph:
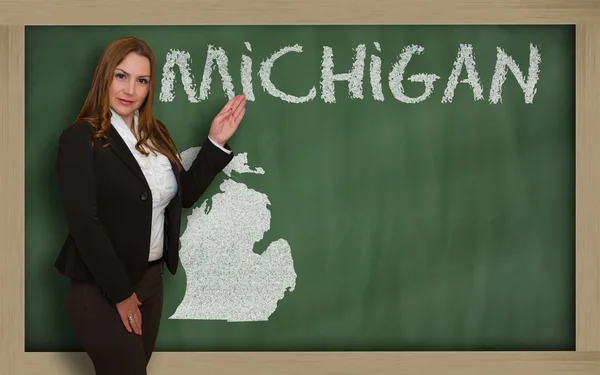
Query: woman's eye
(120, 75)
(143, 80)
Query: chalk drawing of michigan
(225, 279)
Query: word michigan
(354, 78)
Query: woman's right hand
(129, 308)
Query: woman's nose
(130, 88)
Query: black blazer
(108, 207)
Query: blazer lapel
(120, 148)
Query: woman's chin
(124, 111)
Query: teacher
(123, 187)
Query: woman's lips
(126, 102)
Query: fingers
(238, 107)
(239, 102)
(125, 322)
(232, 104)
(134, 320)
(130, 315)
(137, 323)
(238, 118)
(122, 309)
(238, 113)
(231, 117)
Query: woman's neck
(129, 122)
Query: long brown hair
(96, 109)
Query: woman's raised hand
(227, 120)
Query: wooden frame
(585, 14)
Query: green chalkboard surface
(394, 187)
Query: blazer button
(144, 196)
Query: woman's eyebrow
(127, 74)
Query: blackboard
(445, 223)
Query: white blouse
(161, 179)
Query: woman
(123, 187)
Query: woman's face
(130, 85)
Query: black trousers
(98, 326)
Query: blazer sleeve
(208, 163)
(75, 167)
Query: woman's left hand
(227, 121)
